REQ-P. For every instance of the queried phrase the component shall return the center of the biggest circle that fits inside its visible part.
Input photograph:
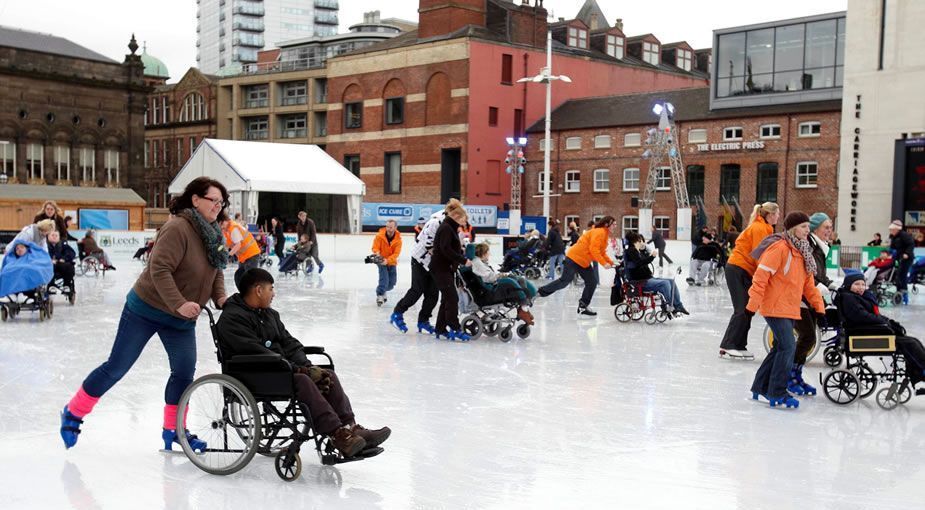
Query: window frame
(8, 158)
(626, 136)
(797, 174)
(606, 180)
(627, 229)
(660, 177)
(542, 145)
(702, 184)
(569, 218)
(294, 132)
(762, 136)
(572, 177)
(252, 133)
(507, 69)
(386, 174)
(666, 228)
(67, 161)
(697, 130)
(616, 46)
(637, 179)
(32, 163)
(353, 111)
(760, 196)
(727, 138)
(290, 95)
(348, 160)
(577, 37)
(257, 96)
(600, 146)
(809, 124)
(390, 120)
(651, 53)
(569, 146)
(81, 163)
(540, 182)
(110, 156)
(738, 177)
(492, 116)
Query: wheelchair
(833, 351)
(36, 300)
(57, 286)
(640, 304)
(251, 408)
(89, 262)
(859, 379)
(490, 312)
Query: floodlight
(670, 108)
(565, 78)
(647, 154)
(657, 109)
(522, 140)
(510, 140)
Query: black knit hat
(795, 218)
(851, 278)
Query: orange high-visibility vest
(249, 246)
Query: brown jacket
(179, 271)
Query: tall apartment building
(231, 32)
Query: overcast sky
(169, 26)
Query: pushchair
(24, 282)
(884, 287)
(490, 309)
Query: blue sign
(103, 219)
(406, 215)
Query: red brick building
(424, 116)
(785, 153)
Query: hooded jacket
(781, 281)
(857, 310)
(388, 249)
(246, 330)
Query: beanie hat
(817, 219)
(795, 218)
(851, 278)
(896, 224)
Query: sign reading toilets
(406, 215)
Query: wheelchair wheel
(768, 338)
(532, 273)
(4, 314)
(662, 316)
(841, 386)
(622, 312)
(832, 357)
(523, 331)
(222, 412)
(898, 298)
(868, 380)
(49, 308)
(491, 325)
(651, 317)
(882, 301)
(472, 326)
(506, 334)
(888, 398)
(288, 467)
(636, 312)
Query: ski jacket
(389, 250)
(858, 310)
(747, 241)
(246, 330)
(780, 282)
(902, 244)
(591, 246)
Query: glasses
(216, 201)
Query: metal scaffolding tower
(661, 148)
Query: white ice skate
(736, 354)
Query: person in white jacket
(504, 281)
(422, 283)
(36, 233)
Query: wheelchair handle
(209, 313)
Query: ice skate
(425, 327)
(398, 320)
(736, 354)
(70, 428)
(380, 300)
(796, 381)
(170, 437)
(787, 401)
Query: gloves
(821, 321)
(319, 376)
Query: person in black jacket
(279, 238)
(447, 257)
(555, 247)
(573, 234)
(637, 269)
(249, 326)
(903, 247)
(659, 242)
(859, 310)
(702, 260)
(62, 256)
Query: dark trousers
(806, 336)
(243, 267)
(663, 256)
(774, 372)
(65, 271)
(569, 270)
(329, 412)
(914, 354)
(903, 274)
(738, 281)
(280, 249)
(422, 284)
(314, 254)
(448, 314)
(131, 338)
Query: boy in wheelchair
(706, 255)
(62, 258)
(859, 310)
(249, 326)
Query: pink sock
(170, 416)
(82, 403)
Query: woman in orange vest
(591, 247)
(739, 270)
(783, 278)
(241, 244)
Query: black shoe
(587, 312)
(681, 309)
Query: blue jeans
(666, 287)
(555, 261)
(132, 336)
(774, 372)
(388, 275)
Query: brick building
(177, 118)
(784, 153)
(68, 115)
(424, 116)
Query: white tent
(249, 168)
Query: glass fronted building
(795, 60)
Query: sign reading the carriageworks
(730, 146)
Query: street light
(546, 77)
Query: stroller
(24, 282)
(491, 309)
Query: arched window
(194, 108)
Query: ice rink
(583, 414)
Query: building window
(683, 59)
(87, 164)
(154, 153)
(157, 112)
(572, 181)
(294, 126)
(729, 182)
(770, 131)
(615, 46)
(650, 53)
(552, 146)
(573, 143)
(507, 69)
(695, 181)
(257, 96)
(111, 162)
(732, 134)
(394, 110)
(7, 158)
(518, 122)
(492, 116)
(602, 142)
(194, 108)
(294, 93)
(256, 129)
(632, 140)
(35, 160)
(630, 179)
(810, 129)
(63, 161)
(807, 174)
(766, 185)
(179, 151)
(542, 183)
(146, 113)
(352, 163)
(353, 115)
(663, 178)
(577, 37)
(697, 136)
(166, 107)
(662, 225)
(192, 145)
(147, 150)
(602, 180)
(392, 173)
(572, 219)
(630, 224)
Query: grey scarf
(211, 236)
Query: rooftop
(70, 194)
(47, 43)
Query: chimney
(619, 24)
(594, 22)
(376, 17)
(440, 17)
(561, 19)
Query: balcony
(284, 67)
(294, 100)
(326, 4)
(256, 103)
(254, 42)
(257, 134)
(294, 133)
(251, 26)
(250, 10)
(326, 19)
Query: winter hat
(896, 224)
(795, 218)
(817, 219)
(455, 210)
(851, 278)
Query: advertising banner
(104, 219)
(406, 215)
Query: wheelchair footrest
(330, 460)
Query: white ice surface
(590, 413)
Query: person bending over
(249, 326)
(637, 269)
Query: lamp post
(515, 162)
(546, 77)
